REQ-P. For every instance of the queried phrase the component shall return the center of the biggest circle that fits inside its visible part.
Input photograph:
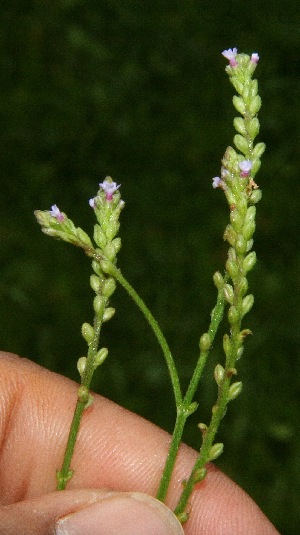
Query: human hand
(117, 464)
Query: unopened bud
(99, 237)
(215, 451)
(249, 261)
(108, 314)
(199, 475)
(233, 315)
(109, 287)
(239, 105)
(95, 283)
(87, 332)
(100, 356)
(219, 374)
(228, 293)
(247, 303)
(241, 143)
(255, 196)
(241, 244)
(226, 345)
(205, 342)
(255, 105)
(81, 365)
(98, 303)
(234, 390)
(218, 280)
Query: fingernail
(121, 514)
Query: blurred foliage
(137, 90)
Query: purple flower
(217, 182)
(245, 167)
(230, 54)
(109, 188)
(55, 212)
(92, 203)
(254, 58)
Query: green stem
(185, 411)
(65, 473)
(157, 331)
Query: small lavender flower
(217, 182)
(109, 188)
(254, 58)
(55, 212)
(245, 167)
(230, 54)
(92, 203)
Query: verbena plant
(236, 180)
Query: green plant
(242, 193)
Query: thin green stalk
(187, 407)
(65, 473)
(116, 273)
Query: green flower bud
(236, 220)
(205, 342)
(99, 237)
(191, 408)
(100, 357)
(230, 235)
(112, 229)
(106, 266)
(241, 143)
(249, 261)
(81, 365)
(108, 314)
(199, 474)
(99, 303)
(109, 287)
(83, 237)
(239, 125)
(240, 351)
(242, 286)
(87, 332)
(109, 251)
(250, 214)
(258, 150)
(241, 244)
(183, 517)
(234, 390)
(226, 345)
(255, 166)
(255, 105)
(249, 245)
(247, 304)
(203, 428)
(95, 283)
(117, 244)
(254, 88)
(232, 268)
(228, 293)
(97, 268)
(239, 105)
(255, 196)
(253, 127)
(237, 84)
(248, 230)
(233, 315)
(218, 280)
(83, 394)
(219, 374)
(215, 451)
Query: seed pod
(108, 314)
(219, 374)
(81, 365)
(205, 342)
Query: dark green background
(137, 90)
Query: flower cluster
(239, 168)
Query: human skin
(116, 451)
